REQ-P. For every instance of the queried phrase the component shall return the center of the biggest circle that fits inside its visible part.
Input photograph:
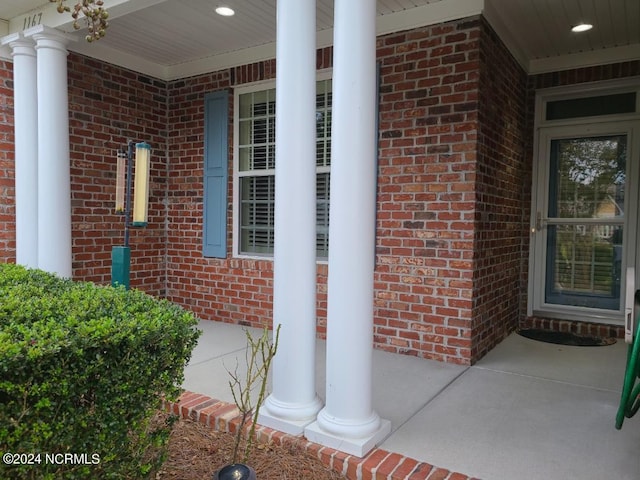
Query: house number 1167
(32, 20)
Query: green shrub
(83, 370)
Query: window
(256, 149)
(591, 106)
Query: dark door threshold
(566, 338)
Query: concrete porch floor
(528, 410)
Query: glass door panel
(585, 221)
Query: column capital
(19, 44)
(47, 37)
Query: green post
(120, 261)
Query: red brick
(389, 464)
(407, 466)
(371, 462)
(421, 472)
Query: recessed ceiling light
(225, 11)
(581, 27)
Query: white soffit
(172, 39)
(428, 14)
(538, 32)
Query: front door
(585, 225)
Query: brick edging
(379, 464)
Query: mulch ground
(197, 451)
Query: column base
(286, 417)
(353, 446)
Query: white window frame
(325, 74)
(543, 131)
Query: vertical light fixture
(141, 185)
(120, 180)
(121, 254)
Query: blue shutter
(216, 151)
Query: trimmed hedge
(83, 370)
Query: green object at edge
(630, 399)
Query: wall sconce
(121, 254)
(141, 187)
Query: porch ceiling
(171, 39)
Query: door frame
(544, 131)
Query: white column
(25, 107)
(54, 180)
(293, 403)
(348, 422)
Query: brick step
(379, 464)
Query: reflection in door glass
(584, 265)
(590, 177)
(587, 181)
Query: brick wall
(428, 123)
(582, 75)
(108, 106)
(231, 290)
(502, 173)
(452, 174)
(426, 200)
(238, 290)
(7, 170)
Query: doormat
(566, 338)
